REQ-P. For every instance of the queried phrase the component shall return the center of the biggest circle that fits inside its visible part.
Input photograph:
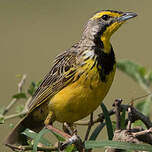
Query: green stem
(15, 115)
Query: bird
(78, 80)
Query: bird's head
(104, 23)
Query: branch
(100, 118)
(117, 104)
(59, 147)
(21, 83)
(138, 115)
(89, 127)
(22, 113)
(132, 135)
(15, 115)
(30, 147)
(13, 101)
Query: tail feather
(16, 138)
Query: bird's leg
(69, 129)
(49, 125)
(49, 119)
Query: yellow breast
(79, 99)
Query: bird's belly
(80, 98)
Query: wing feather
(61, 74)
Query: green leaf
(114, 125)
(139, 106)
(70, 148)
(149, 77)
(19, 96)
(38, 83)
(19, 76)
(139, 123)
(146, 108)
(2, 109)
(96, 131)
(122, 119)
(33, 87)
(38, 138)
(108, 121)
(31, 134)
(135, 71)
(1, 119)
(11, 125)
(19, 108)
(118, 145)
(58, 136)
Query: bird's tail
(16, 138)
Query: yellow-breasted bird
(79, 79)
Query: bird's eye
(105, 17)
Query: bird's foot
(69, 129)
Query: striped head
(104, 23)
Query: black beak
(126, 16)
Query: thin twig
(100, 118)
(21, 83)
(89, 127)
(61, 146)
(129, 118)
(30, 147)
(86, 123)
(22, 113)
(117, 107)
(141, 133)
(27, 103)
(13, 101)
(67, 128)
(138, 116)
(111, 112)
(141, 97)
(15, 115)
(9, 106)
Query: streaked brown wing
(60, 75)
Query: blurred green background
(33, 32)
